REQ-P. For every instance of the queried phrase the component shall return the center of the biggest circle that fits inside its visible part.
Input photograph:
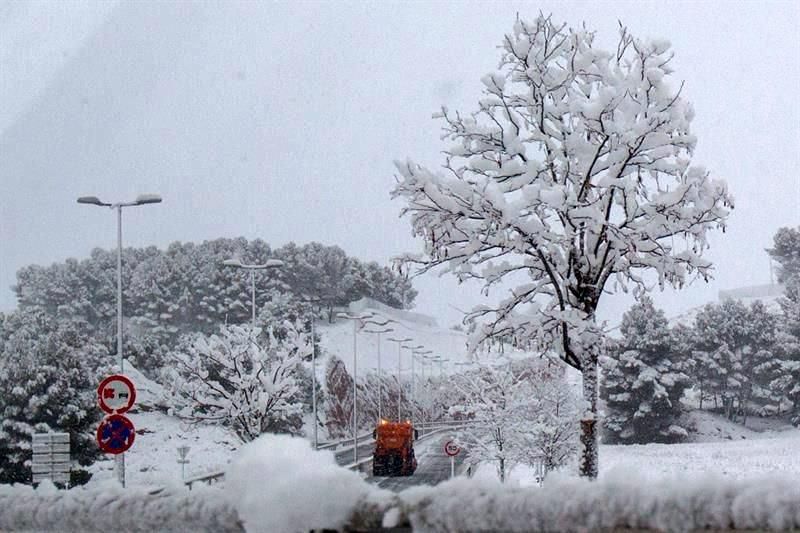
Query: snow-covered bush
(240, 379)
(112, 508)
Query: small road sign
(451, 448)
(115, 434)
(183, 451)
(116, 394)
(51, 459)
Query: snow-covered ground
(152, 460)
(719, 448)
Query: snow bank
(279, 483)
(576, 505)
(112, 508)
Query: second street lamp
(271, 263)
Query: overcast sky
(280, 121)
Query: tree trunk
(589, 437)
(701, 396)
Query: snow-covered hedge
(278, 484)
(112, 508)
(577, 505)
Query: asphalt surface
(433, 466)
(345, 457)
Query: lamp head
(147, 199)
(93, 200)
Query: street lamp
(418, 352)
(142, 199)
(380, 373)
(359, 321)
(411, 387)
(399, 388)
(271, 263)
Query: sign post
(51, 458)
(183, 451)
(452, 449)
(116, 395)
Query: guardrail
(426, 429)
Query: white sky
(280, 121)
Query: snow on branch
(575, 168)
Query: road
(433, 466)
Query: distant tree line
(739, 359)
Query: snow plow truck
(394, 449)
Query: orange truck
(394, 449)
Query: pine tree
(787, 340)
(736, 345)
(49, 370)
(642, 382)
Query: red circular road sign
(115, 434)
(451, 448)
(116, 394)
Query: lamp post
(380, 373)
(411, 349)
(142, 199)
(271, 263)
(419, 352)
(399, 388)
(359, 321)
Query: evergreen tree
(49, 372)
(642, 382)
(736, 344)
(786, 252)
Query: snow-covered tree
(574, 171)
(49, 370)
(523, 412)
(737, 343)
(786, 251)
(339, 398)
(494, 396)
(240, 378)
(552, 439)
(642, 380)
